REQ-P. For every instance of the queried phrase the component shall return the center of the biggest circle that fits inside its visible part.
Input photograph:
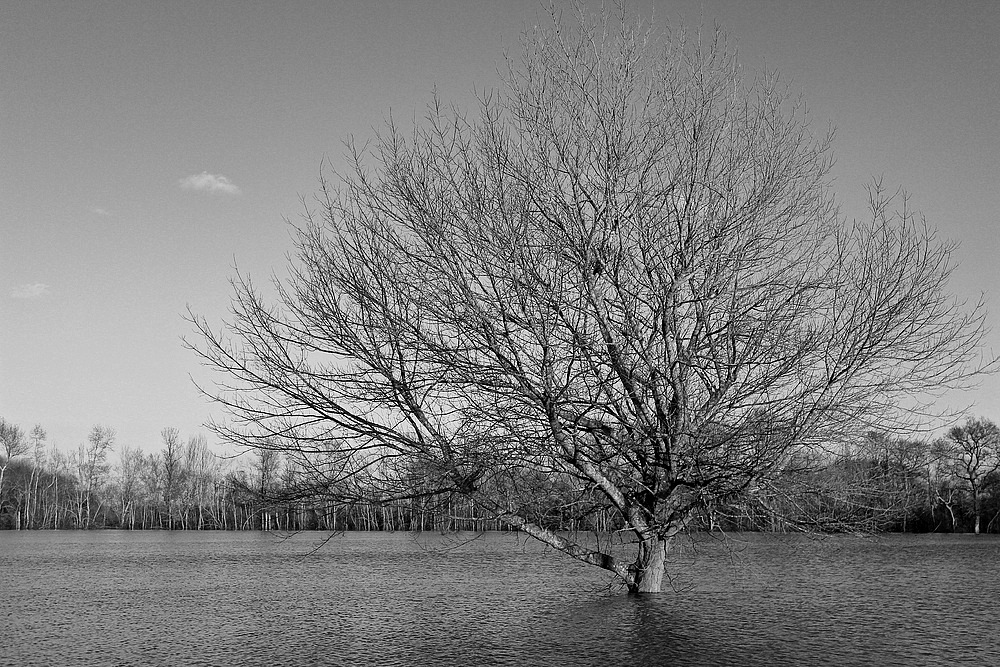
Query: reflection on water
(117, 598)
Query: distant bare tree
(201, 470)
(265, 471)
(629, 273)
(12, 444)
(90, 462)
(36, 441)
(172, 469)
(152, 487)
(54, 511)
(129, 470)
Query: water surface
(214, 598)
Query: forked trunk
(649, 566)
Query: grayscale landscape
(515, 333)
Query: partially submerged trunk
(650, 565)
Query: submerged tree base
(650, 578)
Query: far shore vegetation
(951, 484)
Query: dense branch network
(628, 271)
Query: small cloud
(206, 182)
(30, 291)
(100, 211)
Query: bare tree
(152, 488)
(36, 442)
(202, 469)
(90, 462)
(172, 469)
(265, 473)
(58, 466)
(129, 470)
(970, 453)
(628, 273)
(12, 444)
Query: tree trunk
(650, 566)
(977, 507)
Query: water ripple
(246, 599)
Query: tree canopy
(627, 274)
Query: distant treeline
(877, 484)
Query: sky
(151, 148)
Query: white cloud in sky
(100, 211)
(30, 291)
(206, 182)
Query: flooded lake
(213, 598)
